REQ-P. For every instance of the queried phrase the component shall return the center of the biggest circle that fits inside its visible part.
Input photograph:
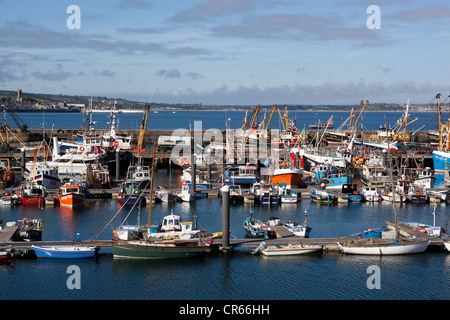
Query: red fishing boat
(32, 194)
(71, 195)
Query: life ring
(81, 149)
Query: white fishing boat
(382, 246)
(164, 195)
(424, 178)
(393, 197)
(370, 194)
(286, 249)
(185, 195)
(287, 195)
(140, 175)
(302, 231)
(45, 175)
(173, 228)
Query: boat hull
(441, 161)
(33, 201)
(48, 181)
(130, 200)
(289, 177)
(394, 249)
(65, 252)
(157, 250)
(72, 200)
(290, 250)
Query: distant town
(30, 102)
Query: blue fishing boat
(322, 196)
(242, 175)
(65, 252)
(351, 190)
(333, 177)
(257, 228)
(130, 193)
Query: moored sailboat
(150, 248)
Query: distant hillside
(45, 99)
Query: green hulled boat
(165, 249)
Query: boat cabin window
(70, 190)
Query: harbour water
(239, 275)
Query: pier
(283, 237)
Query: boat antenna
(151, 185)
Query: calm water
(235, 277)
(167, 120)
(239, 276)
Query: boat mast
(392, 185)
(151, 186)
(438, 97)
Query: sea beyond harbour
(172, 120)
(238, 275)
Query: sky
(228, 52)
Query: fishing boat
(28, 229)
(130, 193)
(393, 197)
(140, 175)
(424, 178)
(300, 230)
(236, 195)
(185, 194)
(159, 249)
(405, 190)
(6, 255)
(351, 190)
(383, 246)
(288, 249)
(46, 176)
(241, 175)
(265, 193)
(376, 176)
(287, 195)
(200, 182)
(173, 228)
(322, 196)
(257, 228)
(291, 177)
(164, 195)
(65, 252)
(152, 248)
(333, 177)
(371, 194)
(434, 231)
(32, 195)
(71, 195)
(8, 199)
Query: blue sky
(238, 52)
